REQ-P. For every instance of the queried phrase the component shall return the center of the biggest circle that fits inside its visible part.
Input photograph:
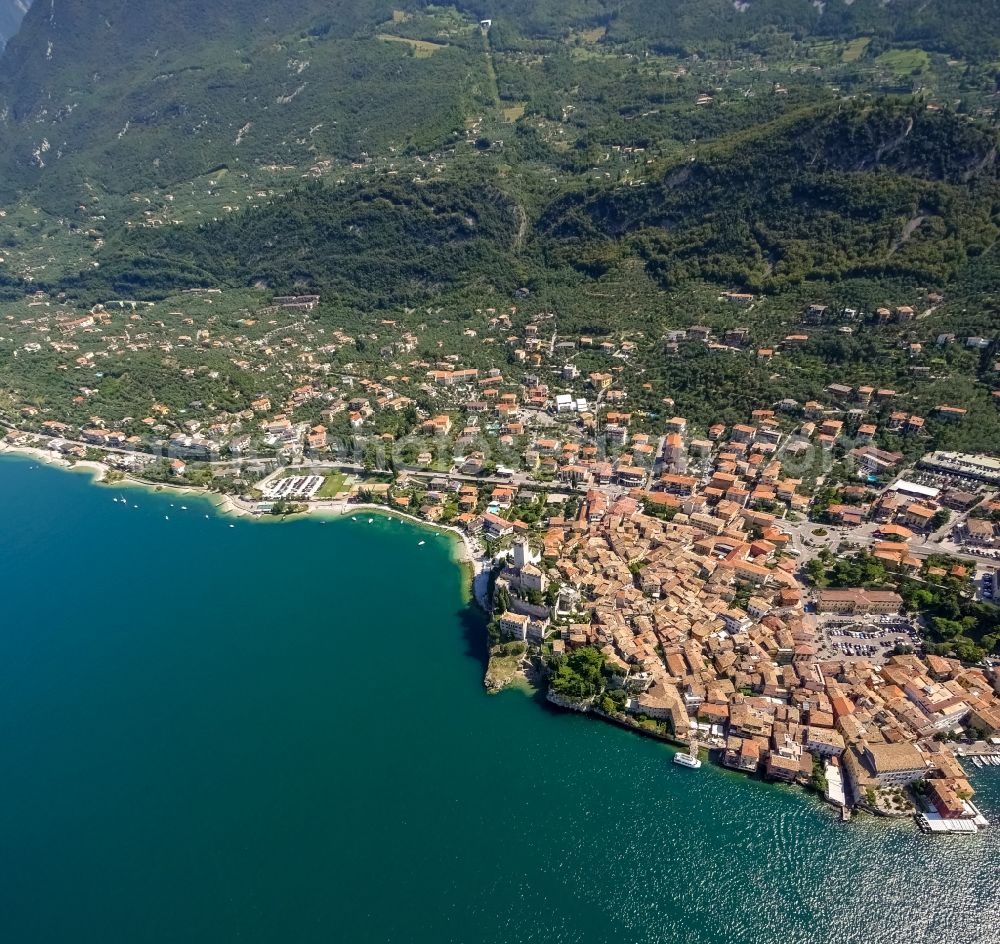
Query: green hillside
(117, 96)
(228, 87)
(371, 245)
(612, 166)
(828, 194)
(689, 26)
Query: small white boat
(370, 520)
(994, 760)
(232, 526)
(686, 760)
(184, 507)
(421, 544)
(166, 517)
(354, 517)
(977, 762)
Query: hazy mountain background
(11, 14)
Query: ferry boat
(686, 760)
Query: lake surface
(277, 732)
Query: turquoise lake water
(278, 733)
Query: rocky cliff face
(11, 14)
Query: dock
(932, 822)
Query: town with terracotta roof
(803, 588)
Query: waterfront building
(894, 765)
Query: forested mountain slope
(369, 245)
(826, 193)
(833, 192)
(126, 94)
(690, 25)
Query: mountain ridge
(157, 93)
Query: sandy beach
(48, 456)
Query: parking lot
(865, 637)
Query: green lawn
(422, 48)
(855, 49)
(904, 61)
(332, 485)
